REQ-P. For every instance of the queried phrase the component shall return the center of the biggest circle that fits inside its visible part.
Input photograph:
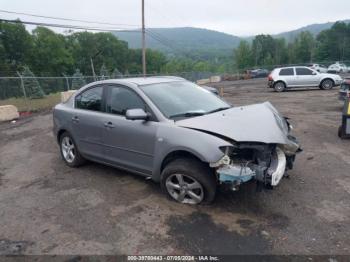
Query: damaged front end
(265, 163)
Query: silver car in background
(301, 76)
(337, 68)
(176, 133)
(319, 68)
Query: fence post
(221, 91)
(24, 92)
(67, 81)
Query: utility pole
(143, 40)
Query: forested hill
(314, 29)
(198, 40)
(184, 39)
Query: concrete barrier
(66, 95)
(215, 79)
(8, 113)
(203, 81)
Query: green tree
(302, 48)
(17, 43)
(155, 61)
(281, 52)
(31, 84)
(50, 55)
(102, 48)
(243, 55)
(334, 44)
(78, 80)
(202, 66)
(263, 50)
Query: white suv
(301, 76)
(337, 68)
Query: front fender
(172, 138)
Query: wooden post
(144, 71)
(221, 91)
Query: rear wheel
(189, 181)
(69, 151)
(327, 84)
(279, 86)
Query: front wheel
(327, 84)
(189, 181)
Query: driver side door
(128, 144)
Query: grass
(47, 102)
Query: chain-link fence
(30, 93)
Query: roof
(146, 80)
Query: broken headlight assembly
(225, 160)
(244, 162)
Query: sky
(237, 17)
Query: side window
(301, 71)
(287, 72)
(121, 99)
(91, 99)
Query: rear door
(128, 143)
(307, 77)
(287, 75)
(87, 121)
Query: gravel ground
(49, 208)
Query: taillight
(269, 78)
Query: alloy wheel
(279, 87)
(327, 84)
(68, 149)
(184, 189)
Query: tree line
(47, 53)
(265, 51)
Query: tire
(341, 133)
(189, 181)
(69, 151)
(327, 84)
(279, 86)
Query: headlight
(225, 160)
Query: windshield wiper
(187, 114)
(218, 109)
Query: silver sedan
(176, 133)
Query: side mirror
(314, 73)
(136, 114)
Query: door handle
(109, 124)
(75, 119)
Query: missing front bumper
(235, 174)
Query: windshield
(183, 99)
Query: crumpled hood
(253, 123)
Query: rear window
(287, 72)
